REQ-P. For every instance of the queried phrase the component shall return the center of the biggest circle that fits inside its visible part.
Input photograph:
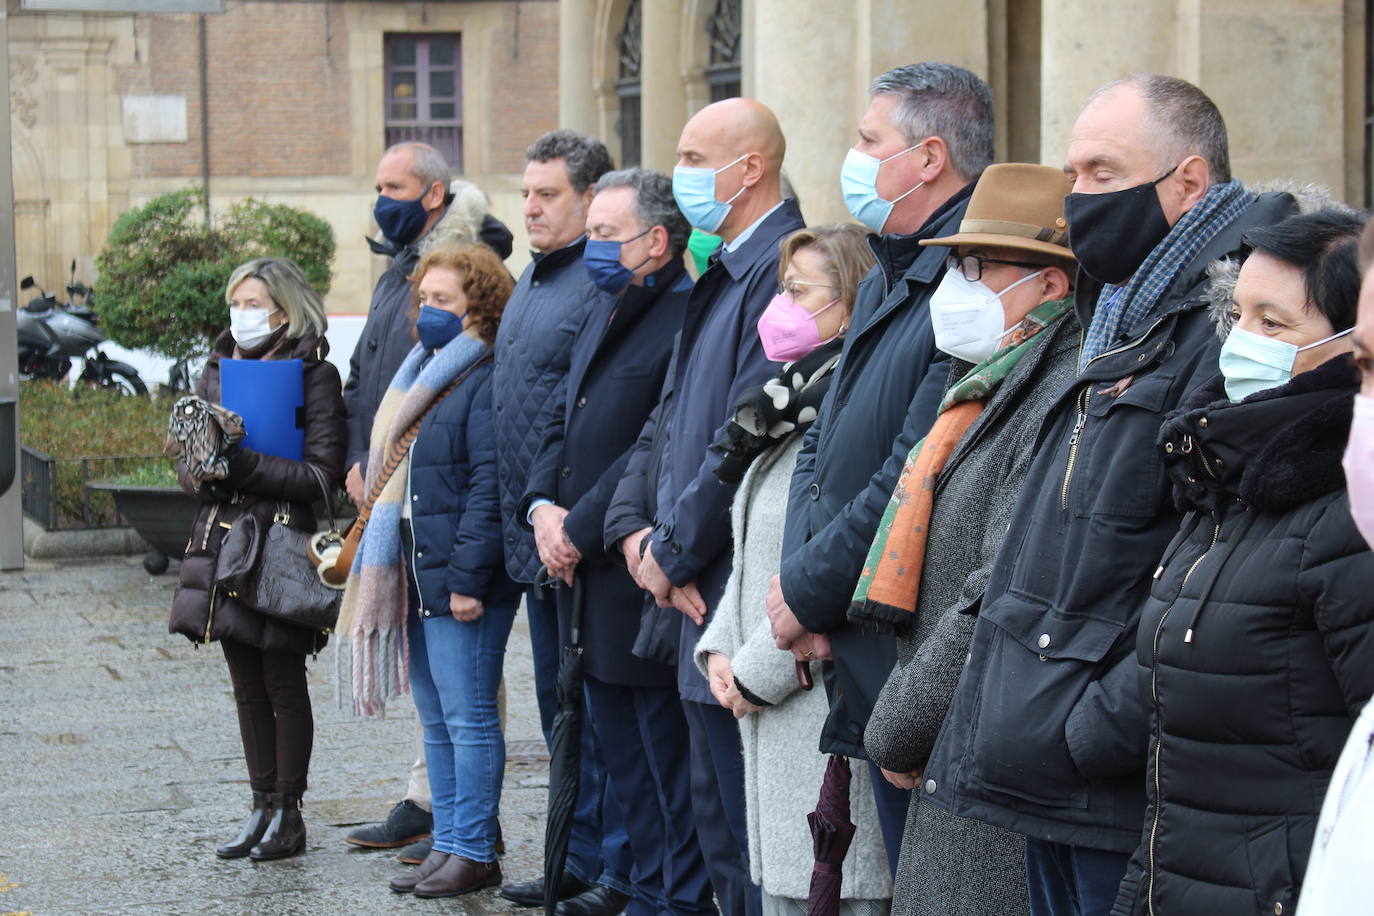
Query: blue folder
(270, 396)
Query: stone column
(577, 109)
(1085, 43)
(663, 110)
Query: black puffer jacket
(258, 482)
(1255, 648)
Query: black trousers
(274, 716)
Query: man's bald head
(741, 141)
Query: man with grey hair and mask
(533, 355)
(925, 139)
(1046, 734)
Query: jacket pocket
(1267, 846)
(1039, 664)
(1123, 473)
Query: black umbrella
(831, 833)
(565, 753)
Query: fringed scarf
(373, 651)
(890, 584)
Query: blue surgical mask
(694, 189)
(859, 184)
(401, 221)
(436, 327)
(602, 258)
(1251, 362)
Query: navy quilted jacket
(533, 352)
(453, 511)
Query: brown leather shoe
(404, 884)
(459, 875)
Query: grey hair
(462, 224)
(289, 289)
(945, 101)
(427, 163)
(654, 203)
(1183, 120)
(585, 158)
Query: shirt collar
(744, 236)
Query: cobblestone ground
(121, 769)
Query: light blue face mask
(859, 184)
(1251, 362)
(694, 189)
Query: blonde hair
(289, 289)
(847, 256)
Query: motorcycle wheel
(123, 378)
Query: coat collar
(903, 256)
(1273, 451)
(764, 240)
(547, 262)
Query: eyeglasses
(971, 265)
(795, 289)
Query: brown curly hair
(485, 281)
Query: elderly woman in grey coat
(780, 724)
(1004, 314)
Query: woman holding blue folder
(428, 603)
(274, 315)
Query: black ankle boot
(252, 831)
(285, 834)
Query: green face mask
(700, 245)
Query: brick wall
(278, 90)
(525, 66)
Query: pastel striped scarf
(373, 651)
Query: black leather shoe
(531, 893)
(404, 884)
(417, 852)
(598, 901)
(285, 834)
(252, 831)
(406, 823)
(459, 875)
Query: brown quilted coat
(258, 482)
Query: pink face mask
(789, 331)
(1359, 466)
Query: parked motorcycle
(51, 335)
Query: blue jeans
(455, 671)
(598, 847)
(1072, 880)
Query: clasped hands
(724, 688)
(649, 576)
(556, 551)
(788, 632)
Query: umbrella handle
(804, 679)
(579, 601)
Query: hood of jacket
(1273, 451)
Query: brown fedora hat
(1016, 205)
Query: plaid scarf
(890, 584)
(1120, 309)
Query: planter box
(162, 516)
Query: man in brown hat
(1004, 314)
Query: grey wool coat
(782, 766)
(951, 865)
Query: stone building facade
(1292, 77)
(297, 99)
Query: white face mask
(968, 317)
(250, 327)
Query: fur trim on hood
(1223, 272)
(462, 223)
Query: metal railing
(55, 492)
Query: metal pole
(204, 116)
(11, 512)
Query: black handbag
(269, 567)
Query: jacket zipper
(1073, 445)
(210, 616)
(209, 526)
(1159, 723)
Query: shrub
(163, 270)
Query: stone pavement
(121, 766)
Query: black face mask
(1111, 234)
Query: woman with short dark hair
(274, 314)
(428, 600)
(1256, 647)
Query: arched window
(627, 85)
(723, 32)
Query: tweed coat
(948, 864)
